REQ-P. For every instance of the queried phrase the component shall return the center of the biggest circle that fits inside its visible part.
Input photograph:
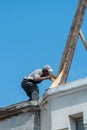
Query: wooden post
(83, 39)
(72, 40)
(71, 44)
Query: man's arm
(52, 77)
(42, 78)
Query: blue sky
(33, 34)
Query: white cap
(48, 67)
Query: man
(29, 83)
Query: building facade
(21, 116)
(65, 108)
(61, 108)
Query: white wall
(61, 103)
(27, 121)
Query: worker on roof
(29, 83)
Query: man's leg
(31, 89)
(35, 93)
(26, 85)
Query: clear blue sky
(33, 33)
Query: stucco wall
(21, 116)
(27, 121)
(60, 104)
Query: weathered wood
(57, 80)
(72, 40)
(83, 39)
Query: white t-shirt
(35, 74)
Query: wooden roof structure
(67, 57)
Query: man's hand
(52, 77)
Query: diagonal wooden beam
(83, 39)
(71, 43)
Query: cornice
(19, 108)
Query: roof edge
(64, 89)
(19, 108)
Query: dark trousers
(31, 89)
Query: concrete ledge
(70, 87)
(18, 108)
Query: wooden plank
(83, 39)
(57, 80)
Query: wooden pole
(71, 44)
(72, 40)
